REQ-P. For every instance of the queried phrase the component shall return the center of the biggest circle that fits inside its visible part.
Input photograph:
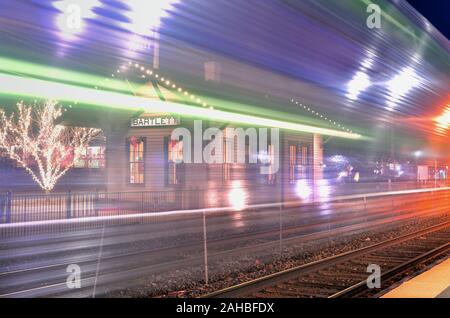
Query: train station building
(141, 155)
(137, 154)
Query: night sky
(436, 11)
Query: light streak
(27, 69)
(443, 121)
(358, 84)
(14, 85)
(164, 214)
(303, 190)
(237, 196)
(145, 16)
(400, 85)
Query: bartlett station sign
(159, 121)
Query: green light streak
(28, 69)
(19, 86)
(53, 74)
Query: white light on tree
(46, 150)
(358, 84)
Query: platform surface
(434, 283)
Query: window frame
(179, 174)
(129, 162)
(293, 165)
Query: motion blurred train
(314, 70)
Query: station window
(226, 172)
(174, 159)
(271, 156)
(304, 162)
(92, 157)
(230, 155)
(136, 149)
(292, 162)
(226, 167)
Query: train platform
(434, 283)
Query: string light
(33, 133)
(325, 118)
(162, 81)
(169, 84)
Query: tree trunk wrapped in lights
(45, 149)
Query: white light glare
(401, 84)
(443, 121)
(303, 189)
(237, 196)
(358, 84)
(145, 15)
(338, 159)
(369, 60)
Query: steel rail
(258, 284)
(173, 264)
(223, 240)
(361, 287)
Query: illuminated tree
(33, 138)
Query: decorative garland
(150, 73)
(320, 116)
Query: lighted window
(175, 158)
(271, 158)
(136, 160)
(304, 162)
(226, 167)
(230, 149)
(292, 162)
(91, 157)
(176, 151)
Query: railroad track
(136, 264)
(48, 278)
(345, 275)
